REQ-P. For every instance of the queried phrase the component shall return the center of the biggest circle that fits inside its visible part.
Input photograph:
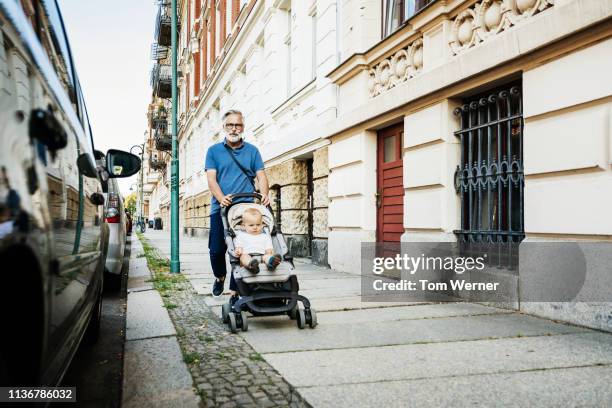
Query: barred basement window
(276, 199)
(489, 179)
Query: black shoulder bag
(231, 154)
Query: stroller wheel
(225, 311)
(311, 318)
(232, 323)
(301, 319)
(244, 322)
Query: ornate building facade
(409, 120)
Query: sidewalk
(154, 374)
(453, 354)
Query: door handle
(378, 199)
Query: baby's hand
(238, 251)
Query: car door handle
(45, 128)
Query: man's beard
(233, 138)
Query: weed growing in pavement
(209, 339)
(163, 281)
(191, 358)
(169, 305)
(255, 357)
(180, 332)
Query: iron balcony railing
(163, 24)
(161, 80)
(159, 52)
(159, 118)
(157, 164)
(163, 141)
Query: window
(209, 49)
(395, 12)
(288, 52)
(313, 26)
(275, 196)
(218, 23)
(57, 47)
(228, 17)
(489, 179)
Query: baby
(254, 241)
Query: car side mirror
(121, 164)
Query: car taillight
(112, 215)
(113, 200)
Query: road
(96, 370)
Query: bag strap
(231, 154)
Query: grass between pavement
(163, 281)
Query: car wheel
(93, 328)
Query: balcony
(161, 81)
(163, 24)
(157, 164)
(159, 117)
(163, 141)
(159, 52)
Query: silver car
(114, 213)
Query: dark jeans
(217, 249)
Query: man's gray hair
(231, 112)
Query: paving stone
(393, 363)
(147, 317)
(338, 336)
(570, 387)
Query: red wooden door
(390, 185)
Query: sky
(111, 42)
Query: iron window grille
(276, 190)
(489, 179)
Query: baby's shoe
(273, 262)
(253, 266)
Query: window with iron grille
(276, 199)
(489, 179)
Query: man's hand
(265, 200)
(227, 200)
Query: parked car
(117, 226)
(52, 223)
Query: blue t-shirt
(229, 176)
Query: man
(225, 178)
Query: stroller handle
(247, 195)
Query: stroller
(267, 293)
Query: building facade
(410, 121)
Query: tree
(130, 203)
